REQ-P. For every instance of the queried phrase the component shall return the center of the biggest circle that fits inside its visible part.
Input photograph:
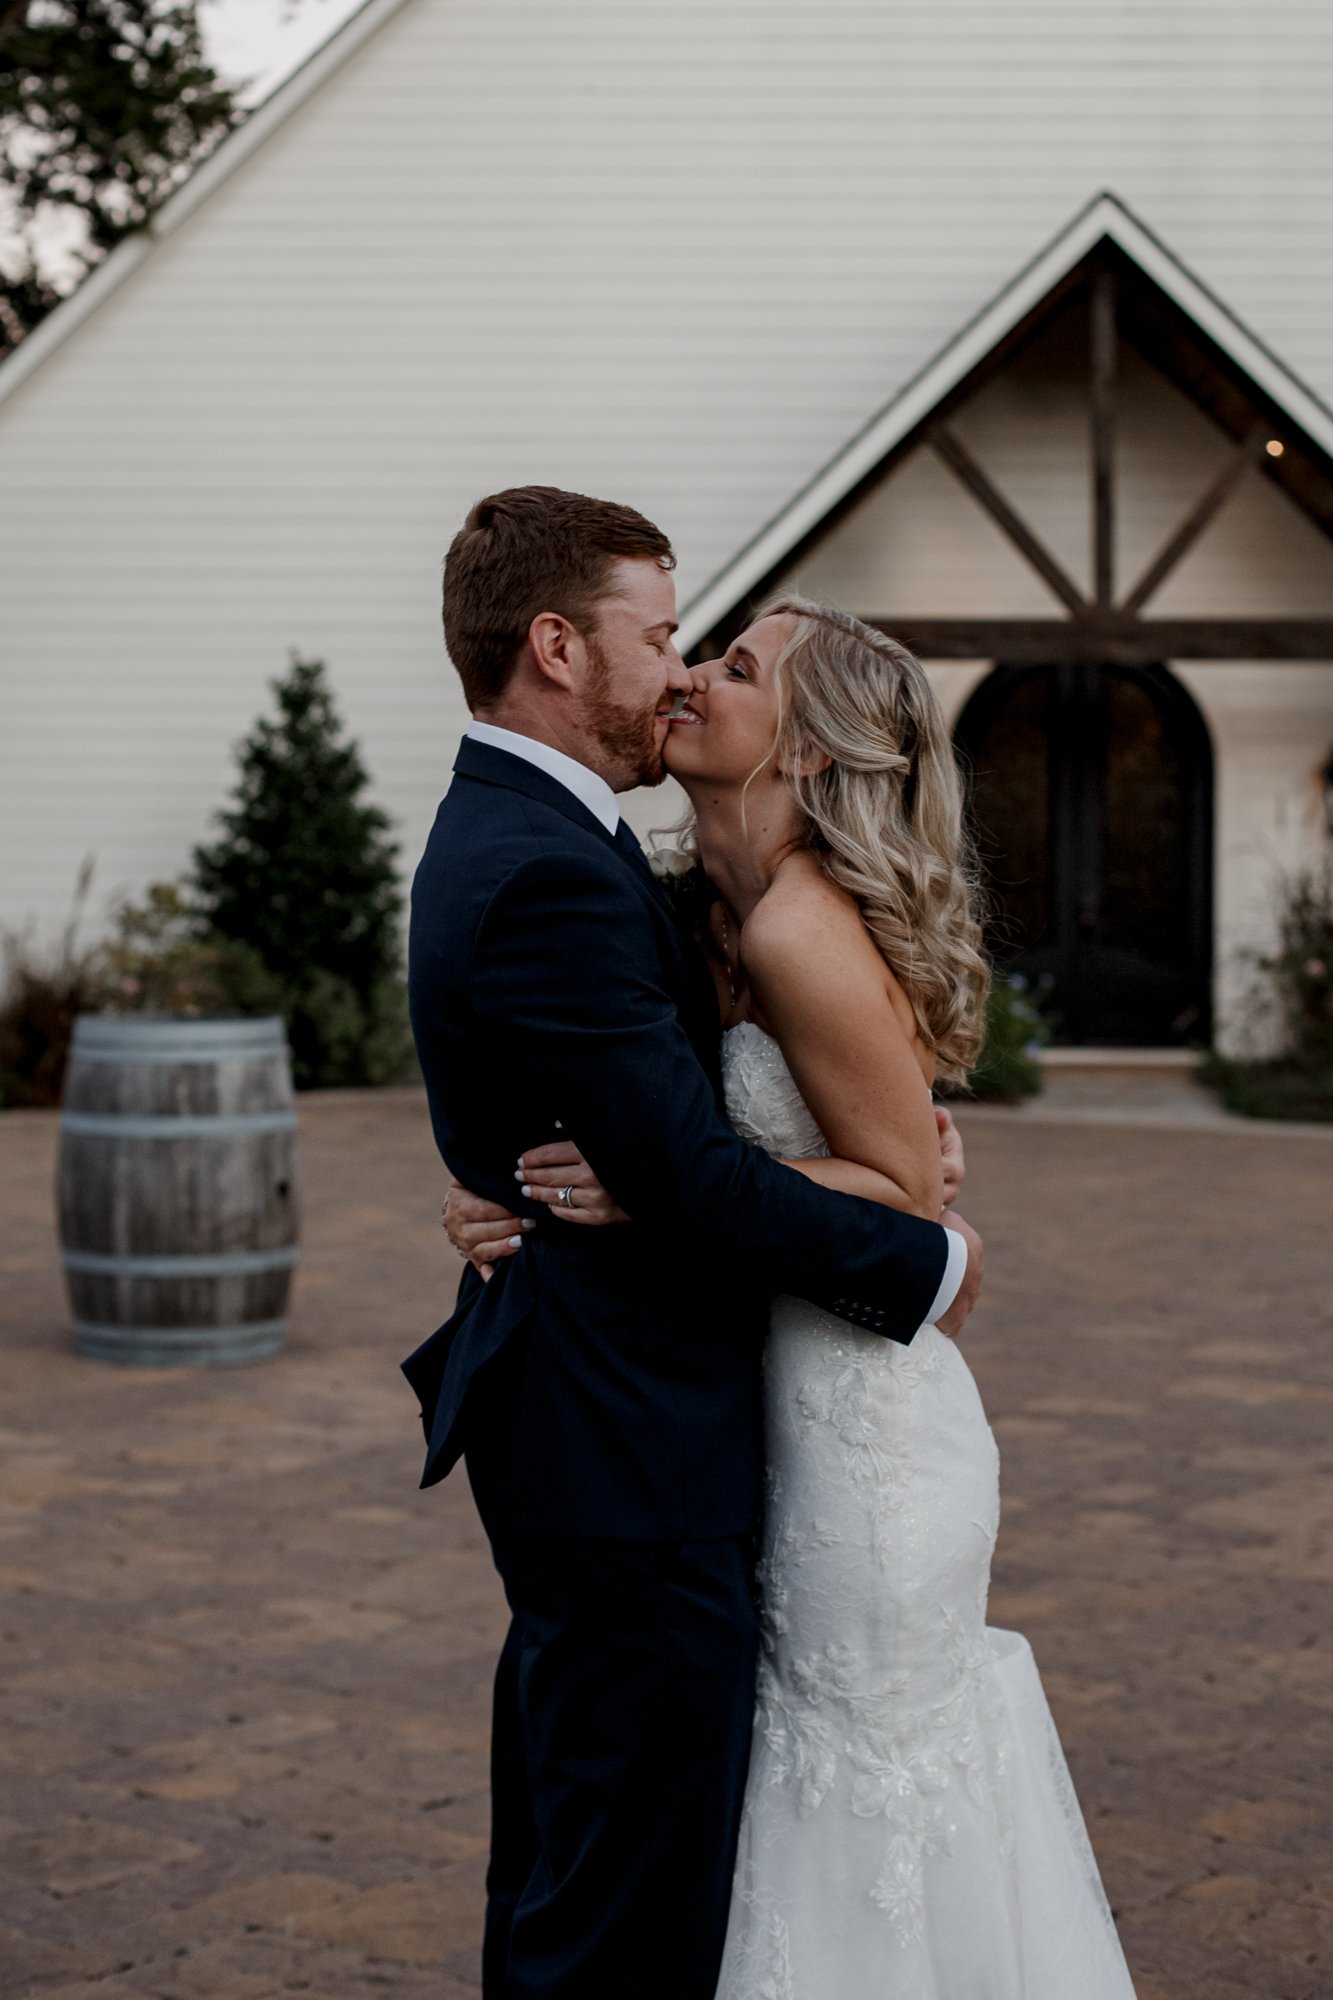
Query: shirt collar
(588, 788)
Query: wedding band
(567, 1196)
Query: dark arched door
(1091, 794)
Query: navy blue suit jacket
(606, 1381)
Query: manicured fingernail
(515, 1242)
(519, 1175)
(559, 1126)
(528, 1222)
(526, 1193)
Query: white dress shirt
(588, 788)
(593, 792)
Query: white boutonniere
(683, 883)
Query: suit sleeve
(567, 965)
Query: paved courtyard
(245, 1663)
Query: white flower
(667, 862)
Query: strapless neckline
(762, 1099)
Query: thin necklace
(732, 986)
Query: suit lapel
(628, 843)
(501, 768)
(486, 765)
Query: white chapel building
(1007, 326)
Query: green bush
(303, 875)
(1007, 1068)
(163, 959)
(1290, 1004)
(160, 959)
(1301, 969)
(43, 995)
(1276, 1089)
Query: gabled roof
(1242, 370)
(218, 166)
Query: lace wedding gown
(910, 1830)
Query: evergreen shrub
(1007, 1068)
(303, 875)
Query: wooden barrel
(177, 1188)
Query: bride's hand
(545, 1171)
(953, 1321)
(951, 1154)
(482, 1231)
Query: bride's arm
(845, 1028)
(830, 1000)
(849, 1177)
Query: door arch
(1091, 794)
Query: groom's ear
(557, 649)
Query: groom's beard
(627, 735)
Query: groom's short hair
(527, 550)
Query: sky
(262, 41)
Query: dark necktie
(702, 1001)
(627, 842)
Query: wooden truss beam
(1102, 397)
(960, 460)
(1111, 639)
(1210, 503)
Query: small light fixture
(1275, 447)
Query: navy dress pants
(624, 1702)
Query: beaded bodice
(763, 1102)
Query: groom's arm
(565, 962)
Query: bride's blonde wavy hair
(886, 814)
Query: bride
(910, 1831)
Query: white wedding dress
(910, 1830)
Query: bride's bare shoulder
(806, 941)
(802, 912)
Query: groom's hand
(969, 1292)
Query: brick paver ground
(245, 1663)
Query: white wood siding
(675, 254)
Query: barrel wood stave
(228, 1194)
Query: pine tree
(304, 873)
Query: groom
(604, 1386)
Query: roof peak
(1104, 217)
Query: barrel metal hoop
(148, 1346)
(175, 1054)
(136, 1038)
(226, 1264)
(193, 1125)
